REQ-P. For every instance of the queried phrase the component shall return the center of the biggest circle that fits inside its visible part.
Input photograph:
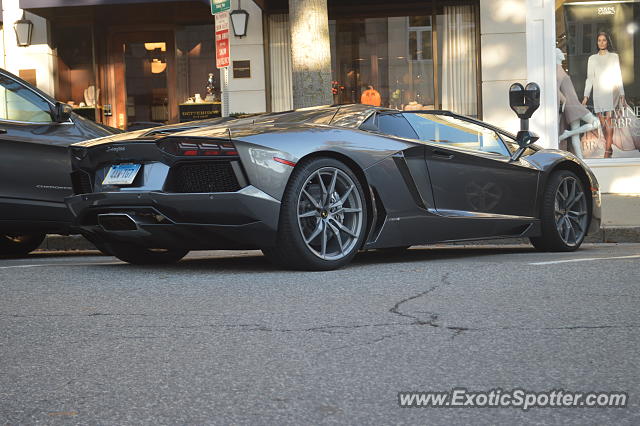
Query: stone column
(310, 53)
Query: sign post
(222, 40)
(222, 55)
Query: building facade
(139, 61)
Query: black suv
(35, 131)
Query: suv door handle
(3, 131)
(442, 154)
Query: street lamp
(239, 20)
(23, 29)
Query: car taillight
(193, 147)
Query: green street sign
(218, 6)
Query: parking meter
(524, 101)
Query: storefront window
(196, 59)
(598, 69)
(146, 82)
(77, 83)
(426, 58)
(427, 61)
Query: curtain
(280, 67)
(459, 52)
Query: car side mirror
(61, 113)
(526, 138)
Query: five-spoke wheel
(323, 217)
(565, 213)
(330, 212)
(570, 211)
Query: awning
(121, 12)
(41, 4)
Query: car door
(471, 171)
(34, 163)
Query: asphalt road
(226, 338)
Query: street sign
(218, 6)
(222, 40)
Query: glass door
(144, 68)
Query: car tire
(139, 255)
(19, 245)
(323, 217)
(564, 214)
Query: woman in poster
(604, 77)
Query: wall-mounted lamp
(23, 29)
(239, 20)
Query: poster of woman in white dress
(601, 43)
(603, 83)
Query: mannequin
(91, 95)
(571, 110)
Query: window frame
(486, 126)
(374, 127)
(35, 92)
(500, 133)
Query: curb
(613, 234)
(66, 243)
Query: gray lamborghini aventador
(311, 188)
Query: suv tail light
(197, 147)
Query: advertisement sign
(218, 6)
(222, 40)
(600, 78)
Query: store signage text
(608, 10)
(222, 40)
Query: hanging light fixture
(239, 20)
(24, 30)
(158, 66)
(156, 45)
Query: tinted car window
(350, 117)
(395, 125)
(456, 132)
(18, 103)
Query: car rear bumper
(244, 219)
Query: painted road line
(586, 259)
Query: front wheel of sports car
(138, 255)
(19, 245)
(323, 217)
(565, 214)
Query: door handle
(442, 154)
(3, 131)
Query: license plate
(121, 174)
